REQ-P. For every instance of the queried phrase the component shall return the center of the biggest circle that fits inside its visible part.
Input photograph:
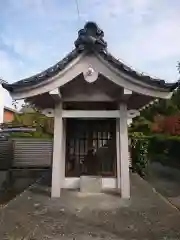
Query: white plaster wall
(74, 183)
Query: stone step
(90, 184)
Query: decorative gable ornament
(48, 112)
(90, 75)
(132, 113)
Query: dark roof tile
(90, 39)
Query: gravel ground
(166, 181)
(34, 216)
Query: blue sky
(35, 34)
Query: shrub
(139, 152)
(164, 149)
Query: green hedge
(157, 147)
(165, 149)
(139, 152)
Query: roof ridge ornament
(90, 37)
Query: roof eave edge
(23, 88)
(166, 88)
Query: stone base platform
(90, 184)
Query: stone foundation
(90, 184)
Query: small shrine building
(91, 95)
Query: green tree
(43, 124)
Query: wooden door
(90, 147)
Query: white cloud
(9, 67)
(155, 42)
(144, 33)
(22, 47)
(44, 10)
(150, 36)
(4, 70)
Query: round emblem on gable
(90, 75)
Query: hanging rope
(77, 7)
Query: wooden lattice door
(93, 140)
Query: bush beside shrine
(154, 148)
(165, 149)
(139, 152)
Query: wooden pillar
(57, 152)
(124, 153)
(63, 152)
(118, 164)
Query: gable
(100, 90)
(90, 56)
(100, 67)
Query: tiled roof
(90, 38)
(40, 77)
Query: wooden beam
(55, 94)
(90, 114)
(97, 114)
(126, 93)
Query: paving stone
(95, 216)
